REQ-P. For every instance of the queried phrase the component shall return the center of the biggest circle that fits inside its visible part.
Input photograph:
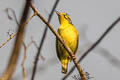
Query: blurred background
(90, 17)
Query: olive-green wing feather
(59, 49)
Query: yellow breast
(69, 35)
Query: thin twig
(64, 44)
(35, 44)
(25, 47)
(17, 45)
(24, 58)
(13, 35)
(14, 15)
(23, 61)
(42, 41)
(34, 14)
(93, 46)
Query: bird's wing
(58, 49)
(77, 44)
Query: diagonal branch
(93, 46)
(13, 35)
(43, 39)
(64, 44)
(17, 45)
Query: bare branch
(23, 61)
(17, 45)
(35, 44)
(43, 38)
(14, 15)
(24, 58)
(93, 46)
(13, 35)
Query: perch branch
(82, 74)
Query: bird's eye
(66, 16)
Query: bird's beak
(58, 13)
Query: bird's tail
(64, 66)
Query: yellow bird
(70, 36)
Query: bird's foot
(63, 42)
(73, 57)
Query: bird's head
(64, 17)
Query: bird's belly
(70, 39)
